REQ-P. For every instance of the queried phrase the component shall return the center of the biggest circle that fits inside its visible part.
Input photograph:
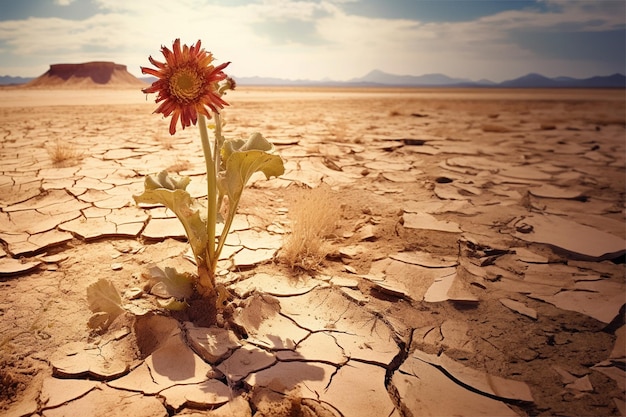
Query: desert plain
(475, 267)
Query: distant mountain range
(539, 81)
(8, 80)
(379, 78)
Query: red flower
(187, 84)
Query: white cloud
(63, 2)
(581, 15)
(335, 45)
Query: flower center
(185, 85)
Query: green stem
(211, 179)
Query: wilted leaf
(163, 189)
(242, 159)
(256, 141)
(172, 304)
(172, 283)
(103, 297)
(163, 180)
(100, 320)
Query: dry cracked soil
(476, 265)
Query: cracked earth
(477, 265)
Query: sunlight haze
(324, 39)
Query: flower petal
(187, 83)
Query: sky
(324, 39)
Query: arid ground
(475, 263)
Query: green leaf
(105, 301)
(170, 192)
(176, 284)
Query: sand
(477, 265)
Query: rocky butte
(87, 75)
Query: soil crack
(393, 366)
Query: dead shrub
(314, 216)
(179, 165)
(64, 154)
(166, 141)
(340, 130)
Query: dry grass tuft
(314, 217)
(492, 128)
(166, 141)
(64, 154)
(179, 165)
(604, 119)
